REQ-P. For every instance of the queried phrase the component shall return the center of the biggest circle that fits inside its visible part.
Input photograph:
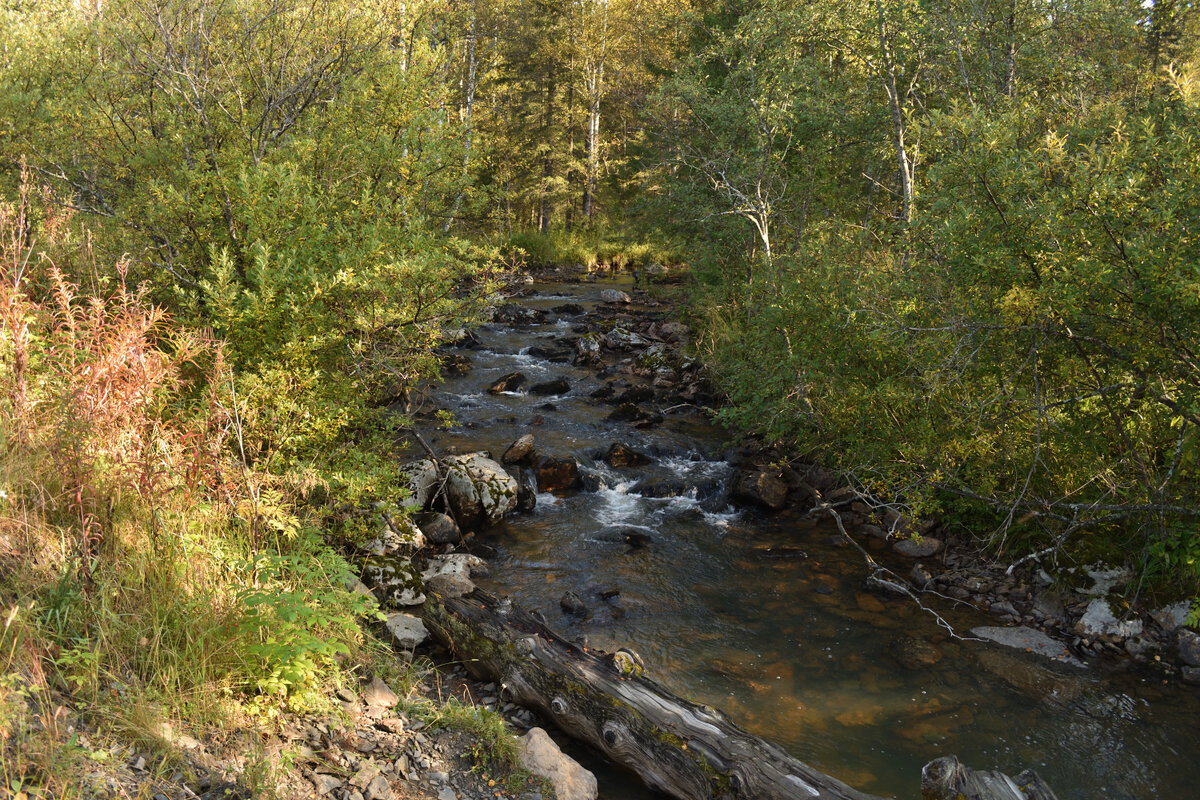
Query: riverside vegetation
(964, 233)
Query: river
(765, 616)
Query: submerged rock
(1029, 640)
(571, 603)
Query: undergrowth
(151, 576)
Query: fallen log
(683, 749)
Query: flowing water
(765, 617)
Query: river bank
(618, 393)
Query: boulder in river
(568, 308)
(557, 474)
(634, 394)
(614, 296)
(624, 339)
(507, 383)
(587, 348)
(761, 488)
(620, 456)
(1189, 648)
(477, 488)
(556, 386)
(519, 450)
(526, 489)
(512, 314)
(456, 364)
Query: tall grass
(147, 572)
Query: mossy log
(686, 750)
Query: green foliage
(1013, 343)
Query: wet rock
(1138, 646)
(920, 576)
(627, 412)
(1004, 607)
(406, 631)
(620, 456)
(571, 603)
(519, 450)
(1189, 648)
(603, 393)
(456, 364)
(1028, 640)
(557, 386)
(1099, 620)
(632, 535)
(634, 394)
(511, 314)
(608, 592)
(526, 490)
(541, 756)
(923, 547)
(1190, 675)
(614, 296)
(624, 339)
(568, 308)
(438, 527)
(587, 348)
(761, 488)
(557, 474)
(507, 383)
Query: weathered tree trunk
(686, 750)
(947, 779)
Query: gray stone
(624, 339)
(379, 694)
(1099, 620)
(1173, 617)
(446, 793)
(1029, 640)
(614, 296)
(438, 527)
(478, 488)
(541, 756)
(326, 783)
(920, 576)
(378, 789)
(1189, 648)
(518, 450)
(1191, 675)
(452, 585)
(924, 547)
(407, 631)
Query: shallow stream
(765, 617)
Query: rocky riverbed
(613, 362)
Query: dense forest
(947, 248)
